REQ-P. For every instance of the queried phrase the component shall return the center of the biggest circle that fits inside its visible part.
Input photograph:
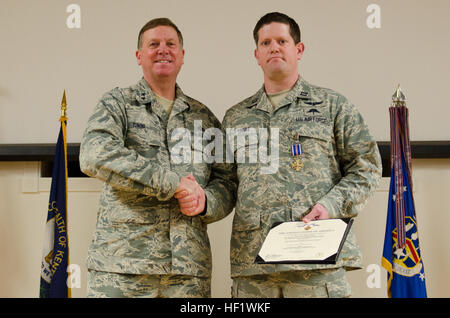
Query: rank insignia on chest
(296, 152)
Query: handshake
(190, 195)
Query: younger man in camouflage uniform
(341, 167)
(151, 238)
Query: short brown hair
(155, 23)
(294, 29)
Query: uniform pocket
(338, 286)
(246, 157)
(272, 216)
(247, 219)
(322, 132)
(133, 217)
(130, 210)
(196, 231)
(145, 141)
(246, 152)
(316, 144)
(342, 290)
(190, 246)
(245, 243)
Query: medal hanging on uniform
(296, 152)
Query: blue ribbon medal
(296, 152)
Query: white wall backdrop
(41, 55)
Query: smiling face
(161, 54)
(276, 51)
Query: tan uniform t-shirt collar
(276, 98)
(167, 104)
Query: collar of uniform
(304, 91)
(145, 95)
(181, 101)
(301, 90)
(261, 101)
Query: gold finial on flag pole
(63, 105)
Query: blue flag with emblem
(55, 258)
(401, 253)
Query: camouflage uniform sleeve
(103, 153)
(221, 189)
(360, 162)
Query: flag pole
(55, 257)
(63, 120)
(401, 253)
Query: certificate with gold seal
(315, 242)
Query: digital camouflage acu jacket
(341, 168)
(140, 228)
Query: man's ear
(138, 57)
(256, 53)
(300, 49)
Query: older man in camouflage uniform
(151, 238)
(339, 167)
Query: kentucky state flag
(55, 258)
(406, 276)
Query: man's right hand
(190, 195)
(188, 185)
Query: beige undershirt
(167, 104)
(277, 98)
